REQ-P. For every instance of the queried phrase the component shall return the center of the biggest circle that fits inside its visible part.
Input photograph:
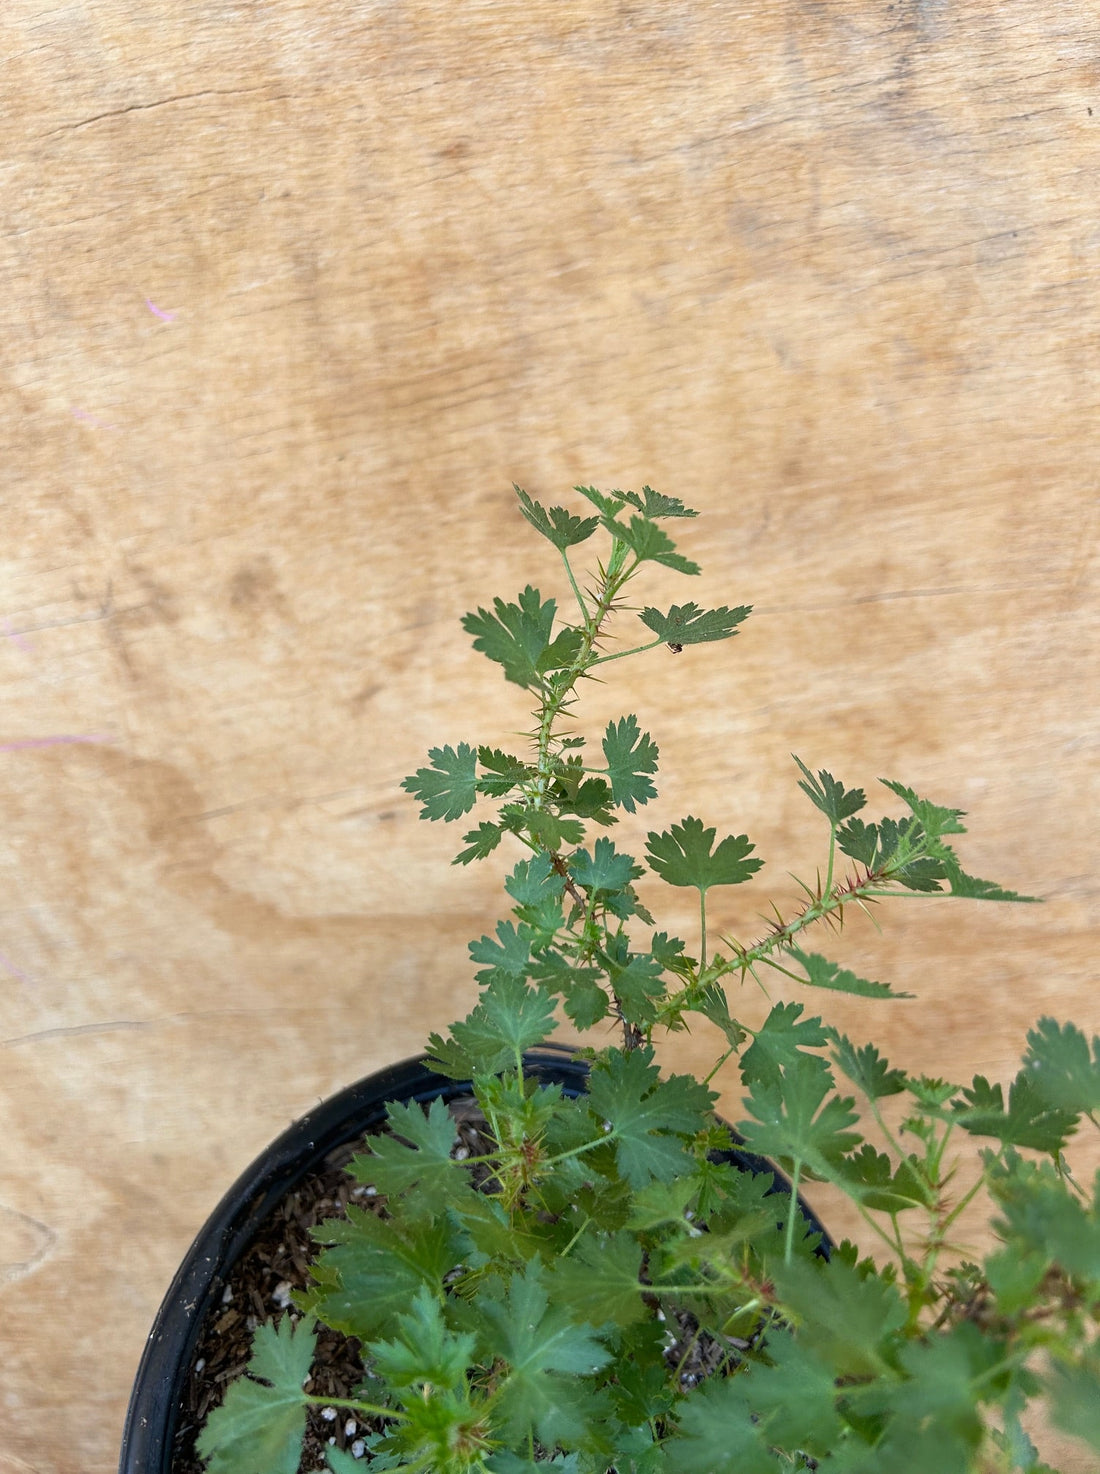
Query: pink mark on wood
(58, 741)
(82, 414)
(16, 972)
(17, 637)
(159, 312)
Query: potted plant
(575, 1270)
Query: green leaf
(844, 1315)
(259, 1429)
(1061, 1067)
(509, 1018)
(895, 850)
(585, 1002)
(631, 754)
(871, 1178)
(932, 1092)
(718, 1434)
(662, 1203)
(939, 1391)
(547, 1356)
(480, 842)
(424, 1350)
(550, 831)
(652, 504)
(682, 856)
(508, 956)
(782, 1037)
(536, 887)
(584, 999)
(971, 888)
(448, 788)
(934, 819)
(1030, 1120)
(821, 973)
(606, 869)
(600, 1280)
(517, 637)
(1041, 1219)
(341, 1461)
(793, 1396)
(687, 624)
(636, 978)
(1014, 1275)
(867, 1068)
(591, 800)
(1075, 1399)
(644, 1111)
(609, 503)
(835, 801)
(561, 528)
(863, 842)
(503, 771)
(373, 1268)
(418, 1150)
(649, 543)
(799, 1119)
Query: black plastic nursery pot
(156, 1406)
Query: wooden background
(292, 292)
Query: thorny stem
(615, 576)
(834, 899)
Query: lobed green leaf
(259, 1428)
(648, 1116)
(606, 869)
(518, 637)
(447, 789)
(480, 843)
(779, 1042)
(1061, 1066)
(683, 856)
(821, 973)
(687, 624)
(652, 504)
(835, 801)
(631, 755)
(799, 1119)
(560, 527)
(867, 1068)
(1029, 1120)
(509, 1018)
(649, 543)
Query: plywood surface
(291, 294)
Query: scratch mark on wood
(17, 637)
(60, 740)
(23, 1267)
(144, 107)
(69, 1031)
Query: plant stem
(792, 1211)
(359, 1407)
(573, 582)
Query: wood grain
(292, 293)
